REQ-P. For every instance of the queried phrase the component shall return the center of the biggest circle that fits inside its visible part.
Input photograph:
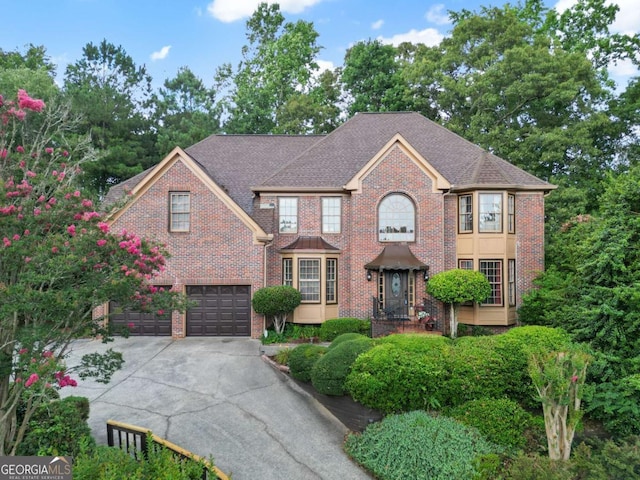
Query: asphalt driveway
(216, 396)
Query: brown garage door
(221, 310)
(143, 323)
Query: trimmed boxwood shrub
(392, 379)
(329, 373)
(346, 337)
(58, 428)
(330, 329)
(418, 446)
(501, 420)
(475, 370)
(417, 343)
(302, 358)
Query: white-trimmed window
(396, 219)
(492, 269)
(287, 272)
(288, 215)
(179, 211)
(465, 213)
(332, 280)
(511, 276)
(331, 213)
(511, 213)
(309, 279)
(490, 212)
(465, 264)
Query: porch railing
(386, 321)
(133, 439)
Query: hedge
(302, 358)
(330, 329)
(329, 373)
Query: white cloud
(325, 65)
(438, 15)
(161, 54)
(232, 10)
(376, 25)
(428, 36)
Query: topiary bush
(346, 337)
(502, 421)
(418, 446)
(302, 358)
(330, 329)
(329, 373)
(392, 379)
(58, 428)
(417, 343)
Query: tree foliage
(58, 261)
(276, 302)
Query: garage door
(143, 323)
(221, 310)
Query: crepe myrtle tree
(276, 302)
(455, 287)
(58, 262)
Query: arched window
(396, 219)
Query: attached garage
(144, 324)
(220, 310)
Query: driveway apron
(216, 396)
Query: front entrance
(396, 295)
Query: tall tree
(31, 70)
(113, 95)
(277, 65)
(372, 78)
(185, 112)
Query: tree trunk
(453, 321)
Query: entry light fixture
(368, 275)
(426, 274)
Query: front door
(396, 292)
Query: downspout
(264, 280)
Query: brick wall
(530, 240)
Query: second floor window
(511, 213)
(288, 211)
(465, 213)
(396, 219)
(490, 212)
(179, 211)
(331, 214)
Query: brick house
(356, 220)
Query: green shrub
(536, 467)
(417, 343)
(58, 428)
(329, 373)
(501, 420)
(282, 356)
(391, 379)
(302, 358)
(617, 405)
(418, 446)
(346, 337)
(109, 463)
(476, 370)
(330, 329)
(515, 346)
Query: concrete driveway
(216, 396)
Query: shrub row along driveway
(216, 396)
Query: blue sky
(165, 35)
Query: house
(356, 220)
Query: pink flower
(32, 379)
(131, 325)
(27, 259)
(86, 203)
(102, 242)
(16, 237)
(160, 312)
(20, 149)
(574, 379)
(47, 354)
(22, 351)
(65, 153)
(54, 249)
(48, 150)
(30, 174)
(71, 230)
(6, 241)
(52, 201)
(76, 193)
(37, 211)
(104, 227)
(25, 101)
(3, 153)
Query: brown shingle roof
(242, 163)
(310, 243)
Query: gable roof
(244, 164)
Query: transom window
(288, 211)
(179, 211)
(490, 212)
(309, 279)
(331, 214)
(465, 213)
(492, 269)
(465, 264)
(396, 219)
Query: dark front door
(396, 292)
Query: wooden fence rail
(134, 440)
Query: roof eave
(502, 186)
(298, 189)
